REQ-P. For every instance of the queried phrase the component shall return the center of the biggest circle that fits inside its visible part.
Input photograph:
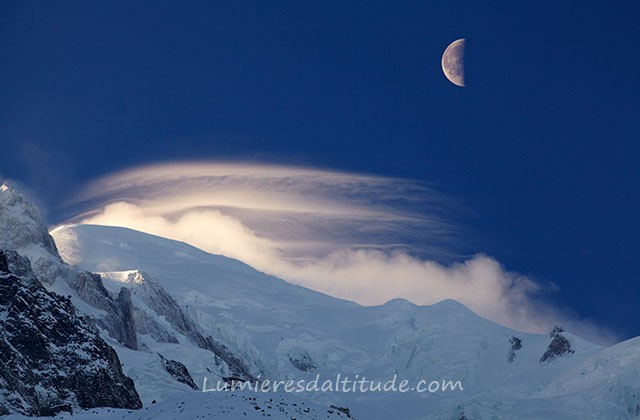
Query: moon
(453, 62)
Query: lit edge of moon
(453, 62)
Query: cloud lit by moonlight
(364, 238)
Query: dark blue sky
(542, 145)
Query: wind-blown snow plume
(357, 237)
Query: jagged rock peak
(135, 278)
(21, 225)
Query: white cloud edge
(363, 274)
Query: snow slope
(282, 331)
(200, 405)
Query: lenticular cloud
(364, 238)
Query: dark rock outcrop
(344, 410)
(179, 371)
(51, 359)
(125, 309)
(301, 360)
(516, 344)
(559, 346)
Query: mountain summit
(21, 225)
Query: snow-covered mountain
(177, 315)
(285, 331)
(51, 358)
(22, 231)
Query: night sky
(541, 149)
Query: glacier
(286, 331)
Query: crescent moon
(453, 62)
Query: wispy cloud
(364, 238)
(305, 211)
